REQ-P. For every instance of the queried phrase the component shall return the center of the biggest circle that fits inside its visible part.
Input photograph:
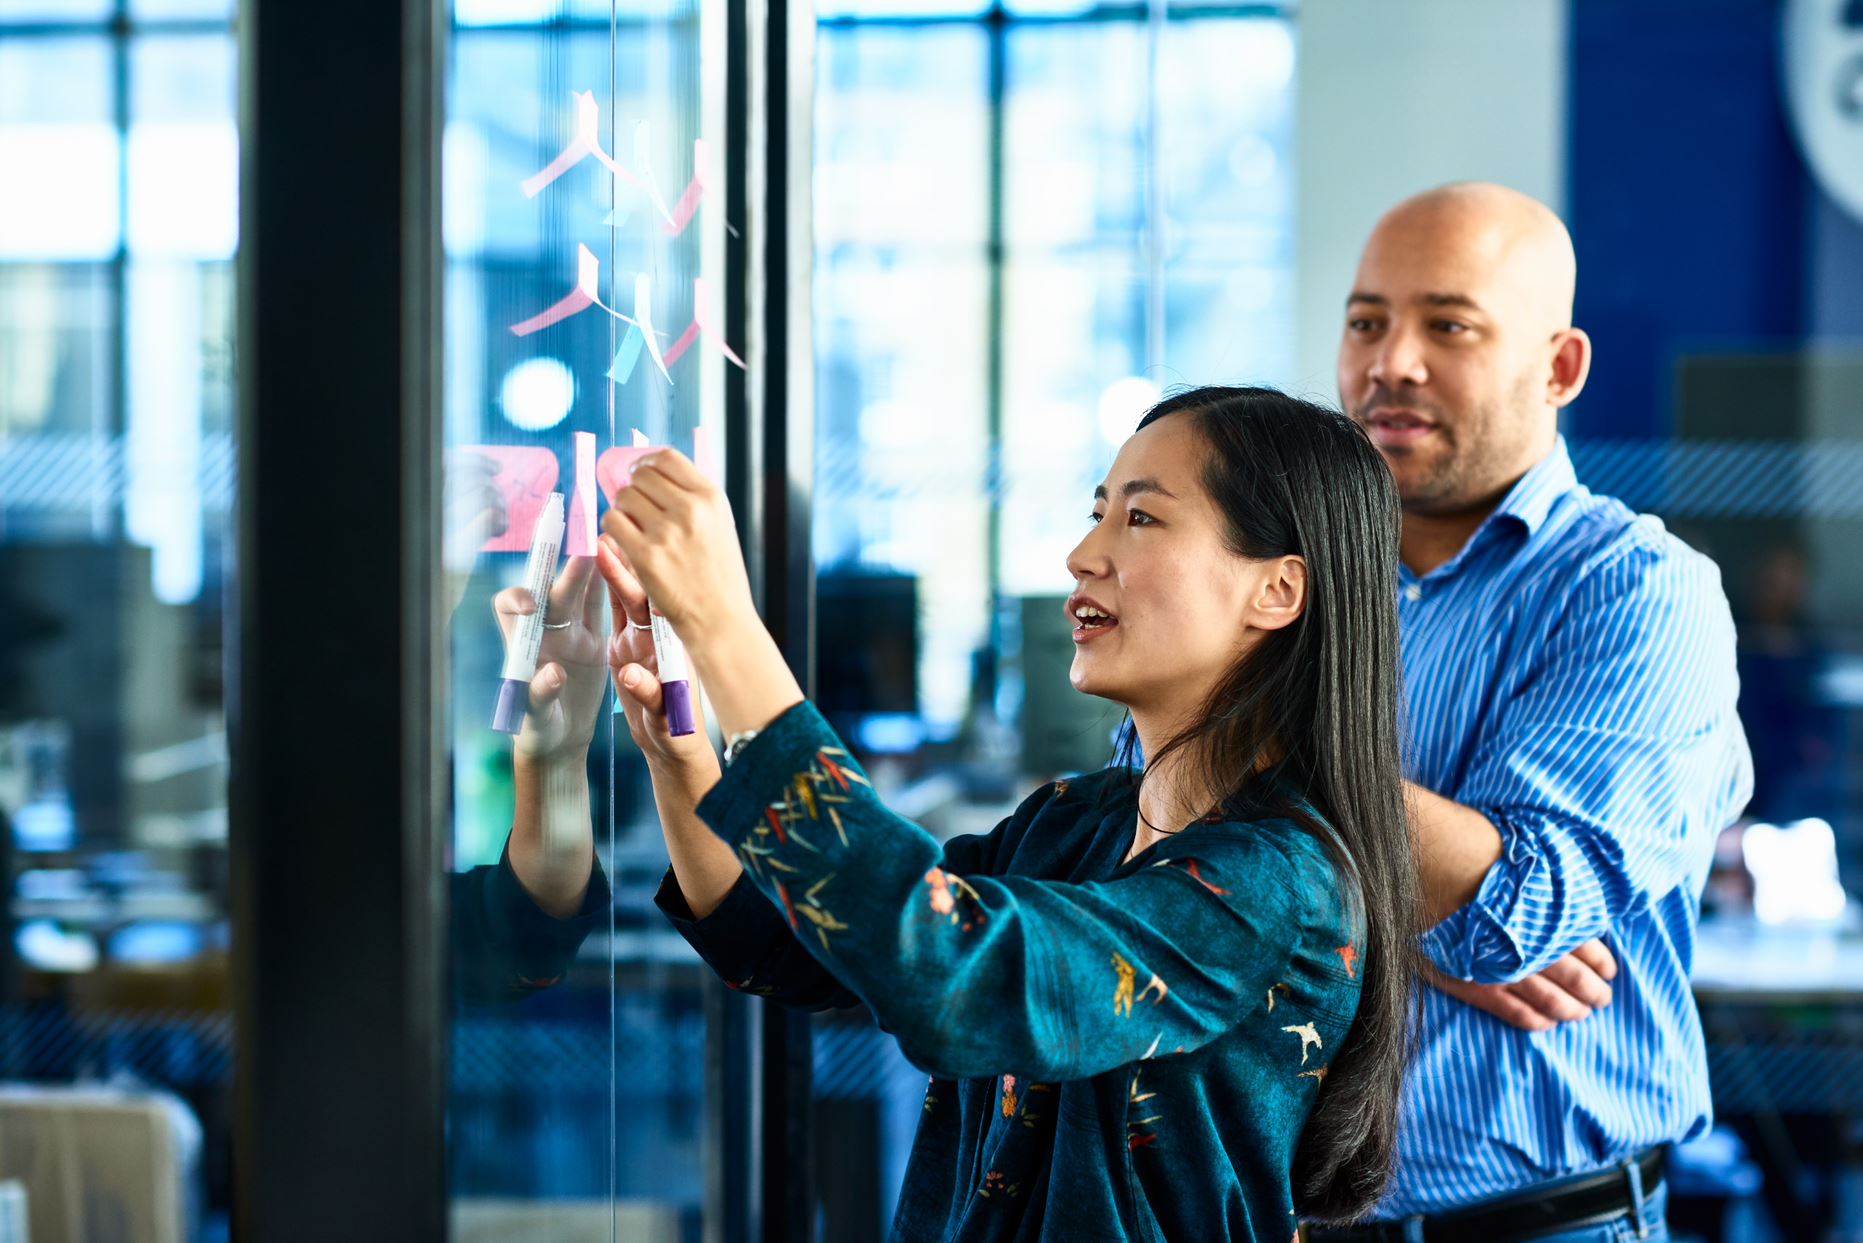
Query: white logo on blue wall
(1823, 47)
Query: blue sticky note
(626, 356)
(625, 201)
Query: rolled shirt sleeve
(1609, 770)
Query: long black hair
(1312, 713)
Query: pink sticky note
(612, 467)
(678, 348)
(526, 477)
(688, 203)
(703, 323)
(704, 454)
(579, 536)
(587, 141)
(581, 298)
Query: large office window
(1030, 221)
(118, 224)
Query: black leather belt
(1567, 1204)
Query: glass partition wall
(507, 245)
(585, 218)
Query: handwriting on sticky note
(526, 477)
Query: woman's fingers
(570, 588)
(592, 600)
(620, 553)
(652, 486)
(620, 529)
(633, 515)
(511, 606)
(624, 590)
(640, 685)
(546, 687)
(675, 467)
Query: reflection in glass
(576, 1108)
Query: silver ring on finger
(634, 625)
(557, 625)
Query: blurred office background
(1029, 220)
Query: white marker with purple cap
(675, 678)
(521, 656)
(670, 658)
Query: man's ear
(1571, 366)
(1281, 596)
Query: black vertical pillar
(761, 1054)
(339, 986)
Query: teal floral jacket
(1117, 1050)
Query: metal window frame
(339, 914)
(760, 1180)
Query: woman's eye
(1450, 326)
(1095, 517)
(1139, 518)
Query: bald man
(1569, 668)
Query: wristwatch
(736, 743)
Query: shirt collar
(1530, 500)
(1526, 507)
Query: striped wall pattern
(1747, 479)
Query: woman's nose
(1087, 560)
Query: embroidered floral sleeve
(752, 947)
(980, 975)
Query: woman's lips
(1087, 634)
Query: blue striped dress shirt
(1570, 674)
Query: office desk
(1782, 1011)
(1739, 962)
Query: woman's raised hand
(566, 691)
(673, 527)
(637, 684)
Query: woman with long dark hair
(1168, 1003)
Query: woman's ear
(1280, 594)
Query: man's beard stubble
(1466, 462)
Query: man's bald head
(1459, 348)
(1479, 228)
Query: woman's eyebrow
(1132, 487)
